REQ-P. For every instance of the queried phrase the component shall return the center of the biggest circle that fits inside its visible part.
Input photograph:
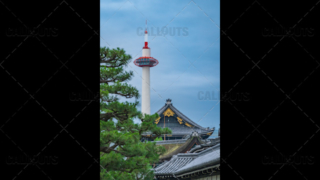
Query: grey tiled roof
(178, 141)
(187, 130)
(173, 165)
(210, 156)
(186, 162)
(161, 165)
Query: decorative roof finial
(168, 101)
(195, 134)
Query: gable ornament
(168, 112)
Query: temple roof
(187, 162)
(187, 125)
(168, 104)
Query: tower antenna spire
(146, 37)
(146, 25)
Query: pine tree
(158, 139)
(122, 154)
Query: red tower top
(146, 38)
(146, 59)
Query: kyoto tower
(146, 61)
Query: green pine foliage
(158, 139)
(122, 154)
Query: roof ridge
(210, 149)
(161, 109)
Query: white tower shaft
(145, 109)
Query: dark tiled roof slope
(173, 165)
(187, 162)
(210, 156)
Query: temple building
(180, 125)
(190, 154)
(201, 162)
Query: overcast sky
(184, 37)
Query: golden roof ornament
(157, 120)
(179, 120)
(188, 124)
(168, 112)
